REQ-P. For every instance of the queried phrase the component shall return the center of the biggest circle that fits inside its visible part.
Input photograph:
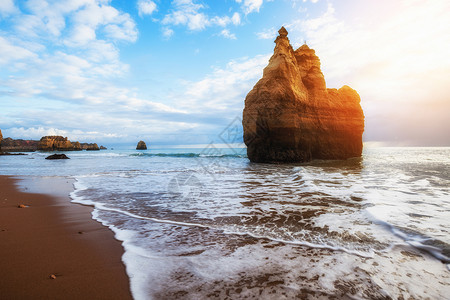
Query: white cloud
(73, 135)
(10, 53)
(225, 88)
(146, 7)
(84, 19)
(35, 132)
(226, 20)
(250, 6)
(7, 7)
(105, 19)
(125, 31)
(187, 13)
(236, 19)
(167, 32)
(80, 72)
(227, 34)
(268, 34)
(221, 21)
(81, 35)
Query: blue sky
(177, 72)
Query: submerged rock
(8, 153)
(290, 115)
(141, 146)
(57, 156)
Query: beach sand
(51, 236)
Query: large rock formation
(290, 115)
(55, 143)
(141, 146)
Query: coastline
(52, 236)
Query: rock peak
(283, 32)
(304, 47)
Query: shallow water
(210, 224)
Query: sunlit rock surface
(55, 143)
(291, 116)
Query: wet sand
(52, 249)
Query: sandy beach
(52, 249)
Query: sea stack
(291, 116)
(141, 146)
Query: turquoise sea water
(207, 223)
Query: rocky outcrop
(59, 143)
(290, 115)
(90, 146)
(57, 156)
(46, 143)
(141, 146)
(11, 145)
(103, 148)
(1, 138)
(55, 143)
(76, 146)
(8, 153)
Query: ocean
(209, 224)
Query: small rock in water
(53, 276)
(21, 206)
(141, 146)
(57, 156)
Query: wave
(104, 207)
(187, 155)
(434, 247)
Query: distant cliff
(10, 145)
(46, 143)
(290, 115)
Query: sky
(177, 72)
